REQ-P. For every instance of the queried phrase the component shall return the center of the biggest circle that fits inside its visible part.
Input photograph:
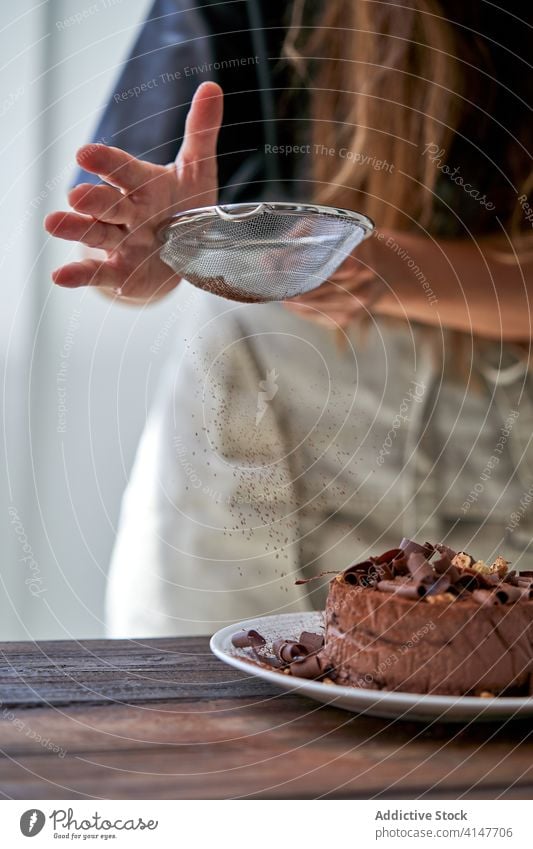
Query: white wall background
(60, 491)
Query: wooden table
(164, 719)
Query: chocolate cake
(426, 619)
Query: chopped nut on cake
(501, 566)
(482, 567)
(462, 560)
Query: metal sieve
(261, 252)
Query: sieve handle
(238, 216)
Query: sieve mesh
(269, 256)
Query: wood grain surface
(165, 719)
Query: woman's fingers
(338, 305)
(102, 202)
(115, 166)
(352, 268)
(335, 291)
(82, 228)
(202, 127)
(378, 290)
(90, 272)
(316, 316)
(336, 286)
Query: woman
(394, 400)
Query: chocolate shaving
(385, 572)
(470, 580)
(409, 546)
(441, 585)
(247, 639)
(363, 574)
(442, 564)
(399, 564)
(419, 568)
(268, 659)
(492, 579)
(387, 586)
(414, 591)
(387, 557)
(308, 667)
(312, 642)
(508, 594)
(289, 650)
(485, 597)
(445, 550)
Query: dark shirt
(238, 43)
(176, 51)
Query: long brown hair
(387, 81)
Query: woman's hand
(123, 216)
(354, 289)
(476, 286)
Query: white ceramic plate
(384, 704)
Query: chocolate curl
(312, 642)
(470, 581)
(399, 564)
(528, 573)
(387, 586)
(419, 568)
(387, 557)
(445, 550)
(488, 582)
(441, 585)
(487, 598)
(386, 564)
(267, 659)
(247, 639)
(289, 650)
(412, 591)
(508, 594)
(409, 546)
(385, 572)
(308, 667)
(444, 566)
(363, 574)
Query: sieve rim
(245, 211)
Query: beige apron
(271, 453)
